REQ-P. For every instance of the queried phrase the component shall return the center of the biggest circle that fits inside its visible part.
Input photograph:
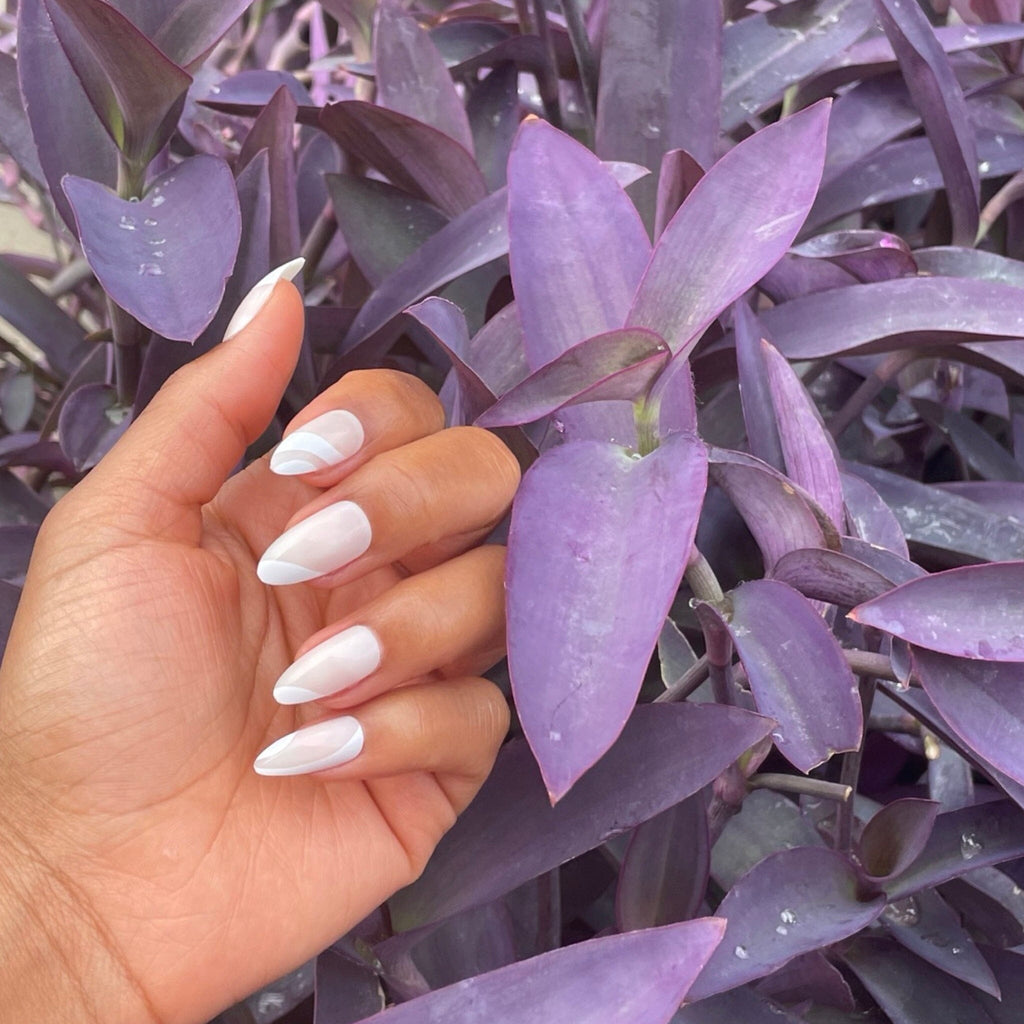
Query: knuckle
(406, 392)
(492, 456)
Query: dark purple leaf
(985, 900)
(878, 317)
(493, 111)
(577, 247)
(665, 871)
(954, 261)
(796, 671)
(806, 445)
(794, 276)
(983, 702)
(793, 902)
(972, 837)
(164, 259)
(346, 991)
(9, 597)
(1008, 968)
(666, 753)
(767, 822)
(461, 39)
(597, 548)
(926, 925)
(972, 612)
(870, 518)
(976, 446)
(273, 131)
(136, 91)
(734, 226)
(17, 400)
(937, 95)
(674, 395)
(382, 225)
(636, 978)
(416, 157)
(895, 836)
(620, 364)
(248, 92)
(495, 352)
(882, 560)
(660, 85)
(758, 408)
(16, 543)
(69, 137)
(411, 76)
(762, 55)
(1003, 498)
(830, 576)
(90, 422)
(943, 522)
(675, 655)
(812, 977)
(194, 27)
(951, 780)
(909, 990)
(781, 517)
(316, 159)
(866, 255)
(741, 1004)
(678, 176)
(15, 131)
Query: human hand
(142, 857)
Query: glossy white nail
(336, 664)
(321, 745)
(249, 307)
(322, 542)
(325, 441)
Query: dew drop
(984, 167)
(778, 737)
(133, 199)
(635, 456)
(559, 426)
(155, 241)
(159, 200)
(126, 223)
(782, 929)
(956, 950)
(651, 130)
(740, 952)
(788, 916)
(970, 845)
(903, 912)
(151, 270)
(554, 736)
(159, 254)
(919, 182)
(150, 223)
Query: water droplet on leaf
(782, 929)
(151, 270)
(970, 845)
(740, 952)
(126, 223)
(903, 912)
(150, 223)
(788, 916)
(159, 200)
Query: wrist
(57, 963)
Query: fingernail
(325, 441)
(322, 542)
(322, 745)
(250, 306)
(339, 662)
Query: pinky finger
(453, 727)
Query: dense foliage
(746, 297)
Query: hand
(142, 856)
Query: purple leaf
(16, 543)
(15, 130)
(674, 395)
(675, 655)
(806, 444)
(164, 259)
(796, 671)
(767, 822)
(762, 55)
(927, 926)
(666, 753)
(660, 84)
(937, 95)
(909, 990)
(677, 179)
(781, 517)
(135, 90)
(90, 422)
(895, 836)
(636, 978)
(831, 576)
(878, 317)
(248, 92)
(810, 976)
(1002, 497)
(987, 902)
(665, 870)
(971, 612)
(739, 1004)
(577, 246)
(981, 701)
(954, 261)
(972, 837)
(794, 276)
(414, 156)
(870, 518)
(412, 78)
(194, 27)
(758, 409)
(793, 902)
(976, 446)
(273, 130)
(866, 255)
(751, 204)
(9, 597)
(495, 352)
(346, 991)
(1006, 966)
(620, 364)
(69, 137)
(597, 548)
(493, 111)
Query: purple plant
(745, 296)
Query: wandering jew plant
(741, 286)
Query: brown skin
(146, 872)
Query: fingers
(451, 615)
(448, 490)
(452, 728)
(182, 448)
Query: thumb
(179, 452)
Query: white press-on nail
(339, 662)
(321, 745)
(321, 543)
(249, 307)
(324, 441)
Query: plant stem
(317, 240)
(645, 415)
(869, 390)
(523, 17)
(849, 773)
(547, 80)
(802, 785)
(702, 579)
(584, 57)
(687, 683)
(867, 663)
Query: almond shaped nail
(339, 662)
(324, 441)
(250, 306)
(322, 745)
